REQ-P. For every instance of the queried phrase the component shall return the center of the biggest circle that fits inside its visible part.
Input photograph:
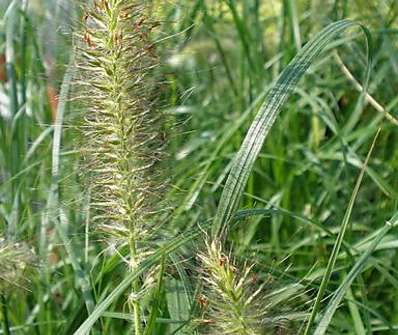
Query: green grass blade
(149, 329)
(243, 33)
(60, 218)
(227, 135)
(255, 137)
(81, 275)
(339, 242)
(355, 271)
(295, 23)
(126, 282)
(4, 315)
(11, 18)
(355, 314)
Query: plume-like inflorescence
(232, 302)
(16, 259)
(236, 301)
(123, 132)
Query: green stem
(134, 304)
(4, 315)
(137, 318)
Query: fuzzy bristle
(123, 132)
(16, 259)
(231, 303)
(236, 301)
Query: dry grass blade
(372, 101)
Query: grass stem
(134, 302)
(4, 315)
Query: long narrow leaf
(339, 241)
(60, 219)
(355, 271)
(126, 282)
(255, 137)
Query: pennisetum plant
(123, 150)
(123, 132)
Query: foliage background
(217, 59)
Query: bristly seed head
(231, 302)
(123, 132)
(234, 300)
(16, 259)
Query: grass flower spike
(233, 296)
(123, 132)
(15, 260)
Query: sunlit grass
(296, 235)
